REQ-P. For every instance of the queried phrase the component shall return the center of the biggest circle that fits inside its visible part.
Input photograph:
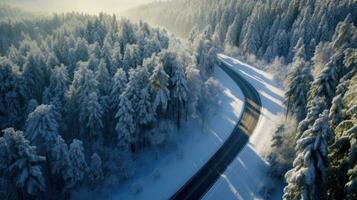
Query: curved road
(203, 180)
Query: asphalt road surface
(204, 179)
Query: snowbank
(246, 175)
(196, 144)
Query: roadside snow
(161, 178)
(246, 177)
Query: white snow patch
(160, 179)
(246, 175)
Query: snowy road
(246, 177)
(203, 180)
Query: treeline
(311, 45)
(266, 29)
(82, 94)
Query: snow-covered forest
(82, 94)
(310, 46)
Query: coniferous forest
(310, 46)
(82, 95)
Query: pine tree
(83, 84)
(159, 83)
(93, 63)
(42, 125)
(325, 84)
(104, 80)
(194, 83)
(132, 57)
(20, 163)
(282, 152)
(10, 106)
(118, 87)
(125, 127)
(33, 78)
(126, 34)
(59, 82)
(60, 157)
(95, 172)
(146, 113)
(336, 111)
(42, 129)
(298, 85)
(233, 33)
(78, 165)
(318, 105)
(307, 179)
(138, 79)
(81, 50)
(91, 116)
(116, 58)
(180, 90)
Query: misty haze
(88, 6)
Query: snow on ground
(246, 175)
(196, 144)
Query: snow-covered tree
(91, 116)
(318, 105)
(10, 106)
(282, 148)
(58, 86)
(159, 82)
(83, 84)
(336, 113)
(307, 179)
(33, 78)
(138, 79)
(298, 86)
(132, 57)
(325, 84)
(104, 80)
(126, 34)
(78, 165)
(233, 33)
(60, 157)
(125, 127)
(81, 49)
(180, 90)
(95, 172)
(210, 98)
(119, 83)
(146, 112)
(42, 125)
(206, 56)
(21, 164)
(116, 58)
(42, 129)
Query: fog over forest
(88, 6)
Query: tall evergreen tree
(78, 165)
(180, 91)
(307, 179)
(20, 164)
(159, 82)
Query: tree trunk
(48, 165)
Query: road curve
(209, 173)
